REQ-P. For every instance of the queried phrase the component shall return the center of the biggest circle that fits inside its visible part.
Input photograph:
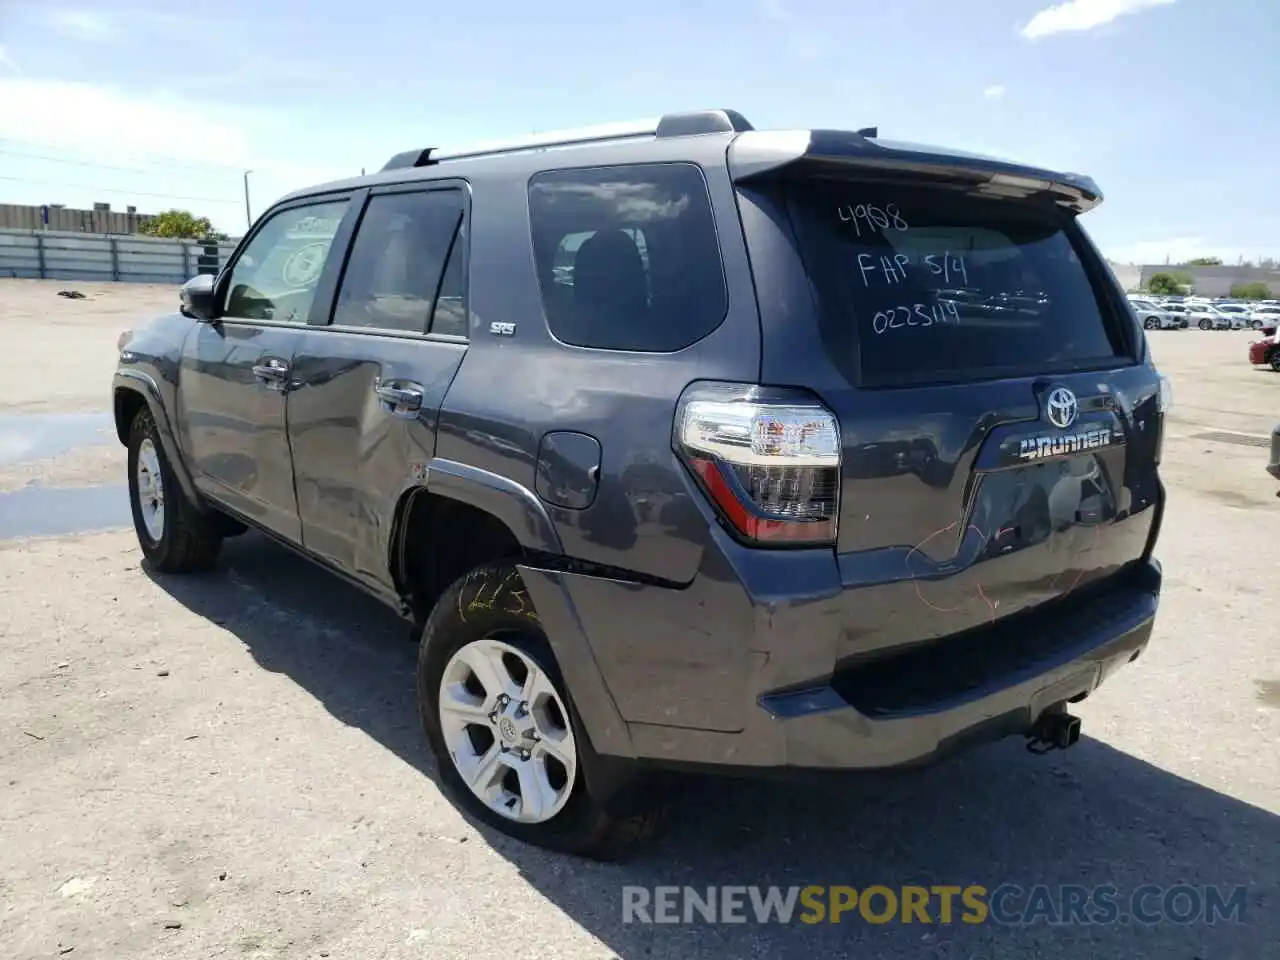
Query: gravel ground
(231, 765)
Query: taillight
(768, 459)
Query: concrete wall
(1216, 281)
(1128, 274)
(14, 216)
(56, 255)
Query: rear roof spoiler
(759, 154)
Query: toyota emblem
(1061, 407)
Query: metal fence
(56, 255)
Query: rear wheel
(508, 741)
(1205, 324)
(1275, 360)
(174, 536)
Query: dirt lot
(230, 766)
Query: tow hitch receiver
(1055, 729)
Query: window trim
(715, 232)
(324, 320)
(341, 237)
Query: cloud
(71, 115)
(775, 11)
(1175, 249)
(109, 125)
(994, 92)
(84, 25)
(1079, 15)
(7, 62)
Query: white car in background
(1154, 316)
(1241, 315)
(1182, 312)
(1264, 315)
(1206, 316)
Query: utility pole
(248, 217)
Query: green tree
(1251, 291)
(179, 225)
(1204, 262)
(1172, 283)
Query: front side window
(627, 256)
(404, 247)
(276, 276)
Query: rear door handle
(400, 398)
(271, 370)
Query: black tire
(489, 601)
(1274, 359)
(1205, 324)
(189, 542)
(1151, 323)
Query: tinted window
(275, 278)
(627, 256)
(929, 285)
(401, 251)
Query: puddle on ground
(37, 511)
(37, 436)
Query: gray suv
(686, 446)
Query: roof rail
(668, 125)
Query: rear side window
(405, 268)
(922, 284)
(627, 256)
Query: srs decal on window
(302, 267)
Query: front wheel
(1275, 360)
(1151, 323)
(174, 536)
(1205, 324)
(509, 744)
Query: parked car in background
(1179, 311)
(1266, 351)
(1240, 315)
(1207, 317)
(1154, 316)
(1264, 314)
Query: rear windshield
(923, 284)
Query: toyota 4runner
(686, 445)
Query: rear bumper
(1258, 352)
(711, 675)
(923, 704)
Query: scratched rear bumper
(743, 667)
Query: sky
(1170, 105)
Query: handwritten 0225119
(915, 315)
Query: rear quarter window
(627, 256)
(920, 284)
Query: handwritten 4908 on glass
(873, 218)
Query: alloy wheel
(150, 489)
(508, 731)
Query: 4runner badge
(1061, 410)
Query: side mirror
(196, 297)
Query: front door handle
(272, 371)
(400, 398)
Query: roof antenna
(869, 132)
